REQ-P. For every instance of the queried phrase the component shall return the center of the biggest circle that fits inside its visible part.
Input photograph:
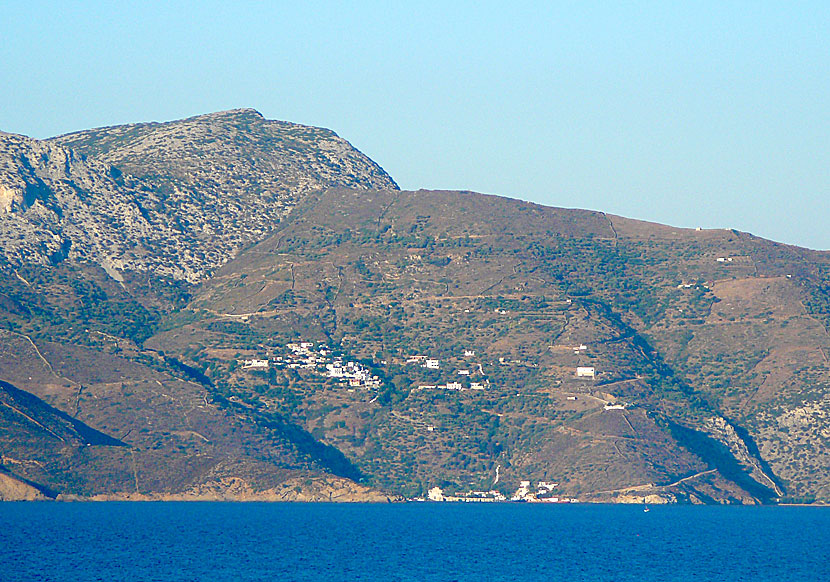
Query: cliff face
(13, 489)
(55, 205)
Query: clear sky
(712, 114)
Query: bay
(169, 542)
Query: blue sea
(168, 542)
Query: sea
(173, 542)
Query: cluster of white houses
(319, 359)
(543, 493)
(305, 356)
(434, 363)
(430, 363)
(357, 375)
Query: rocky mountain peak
(178, 197)
(240, 113)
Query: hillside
(93, 256)
(232, 307)
(718, 364)
(55, 205)
(171, 441)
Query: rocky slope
(177, 199)
(226, 179)
(55, 205)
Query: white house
(469, 353)
(255, 364)
(585, 372)
(545, 487)
(522, 492)
(431, 364)
(453, 385)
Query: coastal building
(522, 492)
(545, 487)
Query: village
(320, 360)
(542, 493)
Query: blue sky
(712, 114)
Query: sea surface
(168, 542)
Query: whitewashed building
(255, 364)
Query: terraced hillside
(688, 346)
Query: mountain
(278, 320)
(56, 205)
(176, 198)
(93, 259)
(224, 180)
